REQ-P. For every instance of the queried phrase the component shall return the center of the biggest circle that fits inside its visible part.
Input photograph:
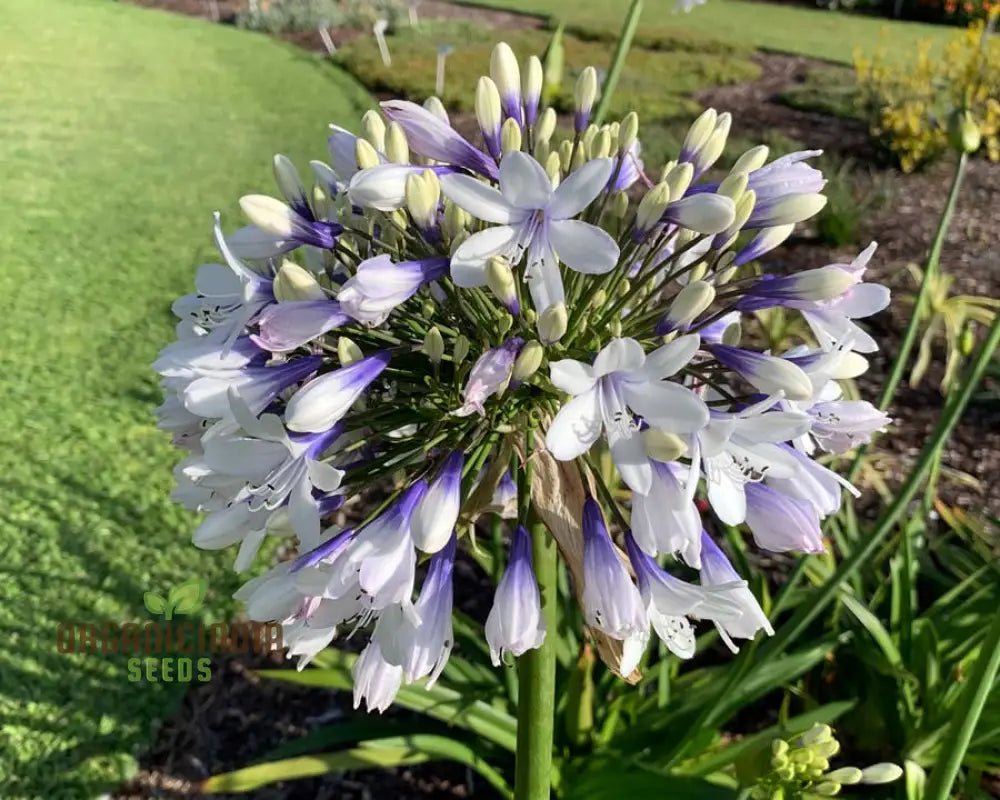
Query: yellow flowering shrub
(909, 105)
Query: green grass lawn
(784, 28)
(121, 130)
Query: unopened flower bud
(599, 299)
(455, 220)
(752, 159)
(817, 733)
(434, 345)
(461, 350)
(436, 107)
(584, 95)
(688, 305)
(702, 213)
(588, 136)
(528, 362)
(287, 178)
(531, 83)
(294, 283)
(845, 775)
(601, 146)
(628, 131)
(365, 154)
(546, 126)
(615, 327)
(819, 764)
(787, 210)
(505, 323)
(827, 749)
(679, 178)
(423, 192)
(579, 158)
(651, 208)
(507, 76)
(967, 342)
(713, 148)
(488, 114)
(881, 773)
(963, 133)
(779, 762)
(500, 279)
(779, 747)
(397, 149)
(663, 445)
(827, 789)
(785, 773)
(530, 316)
(698, 134)
(553, 167)
(347, 351)
(619, 205)
(373, 130)
(565, 155)
(510, 136)
(733, 185)
(552, 323)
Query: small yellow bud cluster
(799, 768)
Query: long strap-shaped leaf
(394, 751)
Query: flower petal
(619, 355)
(576, 427)
(666, 405)
(479, 199)
(668, 359)
(573, 377)
(468, 264)
(523, 181)
(579, 190)
(582, 246)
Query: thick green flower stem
(963, 723)
(923, 296)
(536, 672)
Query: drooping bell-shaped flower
(814, 483)
(382, 553)
(666, 520)
(515, 624)
(717, 571)
(435, 516)
(325, 400)
(611, 601)
(421, 642)
(841, 425)
(670, 600)
(379, 286)
(780, 523)
(376, 681)
(490, 375)
(624, 380)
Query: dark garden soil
(237, 718)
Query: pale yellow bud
(365, 154)
(294, 283)
(585, 91)
(690, 303)
(423, 192)
(510, 136)
(553, 167)
(579, 159)
(434, 345)
(651, 208)
(628, 131)
(532, 80)
(733, 185)
(528, 361)
(488, 106)
(699, 132)
(455, 220)
(542, 151)
(733, 334)
(373, 130)
(397, 149)
(663, 445)
(679, 179)
(827, 789)
(504, 70)
(546, 125)
(752, 159)
(881, 773)
(436, 107)
(552, 323)
(601, 147)
(347, 351)
(287, 178)
(500, 280)
(587, 139)
(845, 775)
(565, 154)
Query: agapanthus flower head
(441, 314)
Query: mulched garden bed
(237, 718)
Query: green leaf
(186, 598)
(450, 706)
(393, 751)
(349, 732)
(155, 604)
(916, 780)
(613, 780)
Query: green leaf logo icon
(186, 598)
(154, 603)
